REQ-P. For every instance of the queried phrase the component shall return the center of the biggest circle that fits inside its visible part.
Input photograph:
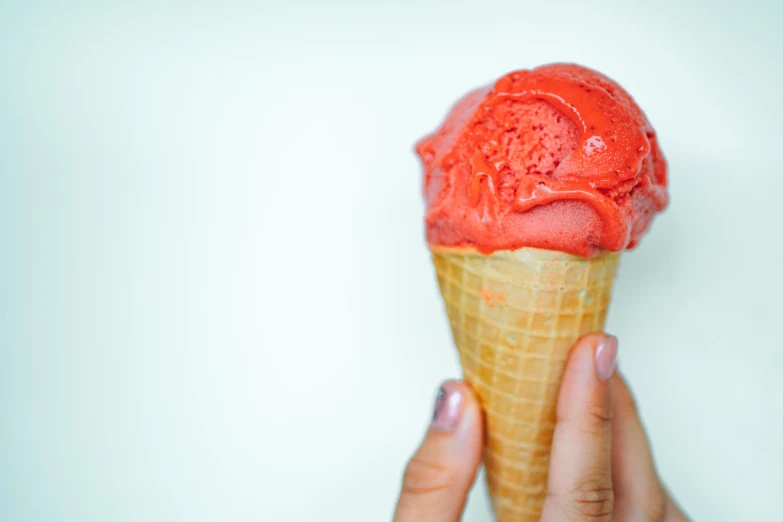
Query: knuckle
(656, 507)
(423, 476)
(599, 416)
(592, 498)
(656, 511)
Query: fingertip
(591, 362)
(468, 436)
(598, 348)
(440, 473)
(470, 402)
(606, 357)
(456, 406)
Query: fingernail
(448, 408)
(606, 357)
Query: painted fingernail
(448, 407)
(606, 357)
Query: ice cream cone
(514, 316)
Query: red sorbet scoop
(559, 157)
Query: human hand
(600, 469)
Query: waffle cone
(514, 316)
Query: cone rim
(516, 253)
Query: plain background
(216, 302)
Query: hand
(600, 469)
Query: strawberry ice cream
(558, 157)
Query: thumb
(440, 473)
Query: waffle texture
(514, 316)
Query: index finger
(580, 469)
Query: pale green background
(215, 298)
